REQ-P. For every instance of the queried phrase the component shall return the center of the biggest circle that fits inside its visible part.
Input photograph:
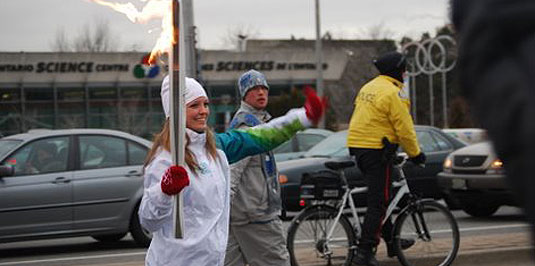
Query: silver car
(475, 177)
(76, 182)
(299, 144)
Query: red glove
(174, 180)
(314, 105)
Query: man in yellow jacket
(381, 111)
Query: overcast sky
(32, 25)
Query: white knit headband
(194, 90)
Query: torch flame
(153, 9)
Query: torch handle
(177, 114)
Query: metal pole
(413, 95)
(319, 59)
(177, 115)
(189, 38)
(444, 101)
(431, 101)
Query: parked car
(300, 143)
(468, 135)
(76, 182)
(475, 176)
(435, 143)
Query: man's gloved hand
(314, 105)
(174, 180)
(418, 159)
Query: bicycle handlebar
(402, 159)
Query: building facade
(121, 91)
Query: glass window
(133, 106)
(285, 147)
(71, 121)
(10, 109)
(155, 92)
(71, 94)
(442, 143)
(9, 95)
(103, 107)
(41, 156)
(39, 121)
(334, 145)
(39, 94)
(102, 121)
(11, 123)
(136, 153)
(71, 108)
(157, 107)
(38, 109)
(102, 152)
(103, 93)
(134, 93)
(307, 141)
(427, 142)
(6, 145)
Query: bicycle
(323, 234)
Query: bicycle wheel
(434, 230)
(307, 238)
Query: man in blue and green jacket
(256, 236)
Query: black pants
(377, 174)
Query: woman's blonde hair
(163, 140)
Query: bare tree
(377, 32)
(236, 36)
(61, 43)
(89, 39)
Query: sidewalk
(488, 250)
(495, 250)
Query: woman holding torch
(205, 179)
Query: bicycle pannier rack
(321, 185)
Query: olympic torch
(177, 103)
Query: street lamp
(319, 59)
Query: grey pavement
(493, 250)
(488, 250)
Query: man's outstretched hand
(174, 180)
(314, 105)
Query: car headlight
(448, 164)
(496, 164)
(496, 167)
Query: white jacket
(207, 198)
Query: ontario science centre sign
(214, 66)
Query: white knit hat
(194, 90)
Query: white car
(475, 176)
(468, 135)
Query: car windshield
(332, 146)
(6, 145)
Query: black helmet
(390, 62)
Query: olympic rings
(422, 59)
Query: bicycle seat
(339, 165)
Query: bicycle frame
(403, 190)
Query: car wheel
(109, 238)
(479, 209)
(140, 234)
